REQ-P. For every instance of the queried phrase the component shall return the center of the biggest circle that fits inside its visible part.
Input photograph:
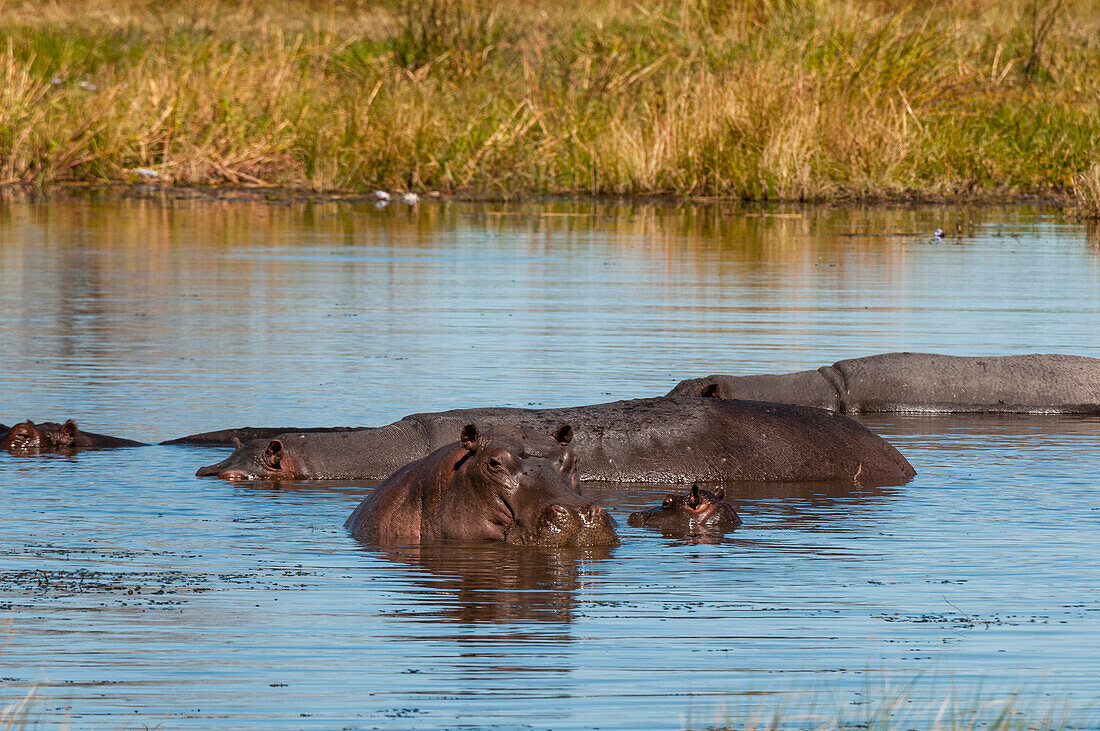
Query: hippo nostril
(558, 516)
(592, 514)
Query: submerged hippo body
(700, 512)
(670, 440)
(510, 483)
(1024, 384)
(27, 436)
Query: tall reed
(752, 99)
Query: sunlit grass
(14, 715)
(1086, 188)
(897, 712)
(745, 99)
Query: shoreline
(281, 194)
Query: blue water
(135, 595)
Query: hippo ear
(564, 434)
(273, 455)
(720, 493)
(469, 437)
(68, 432)
(709, 391)
(237, 443)
(693, 501)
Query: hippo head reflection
(487, 582)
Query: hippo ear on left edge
(564, 434)
(469, 437)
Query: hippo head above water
(509, 483)
(273, 461)
(700, 512)
(28, 437)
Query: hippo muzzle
(558, 525)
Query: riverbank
(768, 100)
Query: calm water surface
(134, 595)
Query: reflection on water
(491, 583)
(326, 314)
(135, 595)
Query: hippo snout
(226, 473)
(561, 525)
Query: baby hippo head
(700, 512)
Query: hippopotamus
(509, 483)
(924, 382)
(26, 436)
(669, 440)
(224, 437)
(699, 512)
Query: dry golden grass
(752, 99)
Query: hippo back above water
(510, 483)
(924, 382)
(224, 437)
(671, 440)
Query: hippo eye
(495, 464)
(668, 501)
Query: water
(134, 595)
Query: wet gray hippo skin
(1023, 384)
(27, 436)
(699, 512)
(671, 440)
(226, 437)
(509, 483)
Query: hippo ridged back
(924, 382)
